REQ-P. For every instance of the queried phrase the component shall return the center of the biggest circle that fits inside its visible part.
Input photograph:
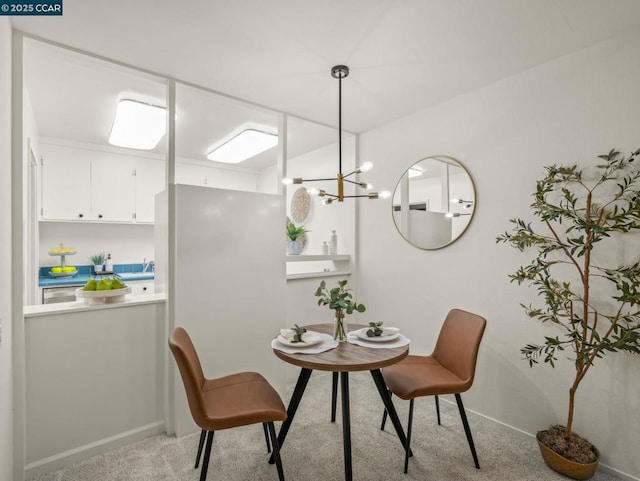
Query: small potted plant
(340, 300)
(294, 234)
(98, 261)
(590, 299)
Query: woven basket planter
(566, 467)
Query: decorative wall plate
(300, 203)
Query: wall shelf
(318, 257)
(308, 266)
(311, 275)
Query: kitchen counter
(77, 306)
(127, 272)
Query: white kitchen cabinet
(141, 287)
(149, 180)
(112, 190)
(216, 177)
(189, 174)
(81, 184)
(66, 188)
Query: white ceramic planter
(294, 247)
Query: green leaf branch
(339, 299)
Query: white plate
(309, 338)
(388, 334)
(63, 274)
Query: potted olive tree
(592, 302)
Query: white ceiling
(404, 55)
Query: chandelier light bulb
(385, 194)
(287, 181)
(366, 167)
(313, 191)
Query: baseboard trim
(601, 466)
(67, 458)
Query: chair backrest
(190, 370)
(458, 343)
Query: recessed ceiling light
(138, 125)
(243, 146)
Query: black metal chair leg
(266, 437)
(438, 409)
(467, 431)
(296, 397)
(384, 414)
(207, 455)
(407, 447)
(276, 450)
(334, 395)
(203, 434)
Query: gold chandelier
(339, 72)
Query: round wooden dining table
(345, 358)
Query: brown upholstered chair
(227, 402)
(450, 369)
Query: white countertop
(80, 305)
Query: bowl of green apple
(107, 290)
(60, 271)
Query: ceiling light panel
(243, 146)
(138, 125)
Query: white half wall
(568, 110)
(6, 383)
(94, 381)
(230, 284)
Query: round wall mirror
(433, 202)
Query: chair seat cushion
(416, 376)
(240, 399)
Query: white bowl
(103, 297)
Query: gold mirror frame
(434, 202)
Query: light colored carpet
(313, 448)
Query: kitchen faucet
(145, 265)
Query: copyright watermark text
(30, 7)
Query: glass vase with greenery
(340, 300)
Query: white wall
(322, 219)
(127, 243)
(6, 388)
(571, 109)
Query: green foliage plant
(340, 300)
(298, 332)
(98, 259)
(375, 329)
(293, 231)
(585, 214)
